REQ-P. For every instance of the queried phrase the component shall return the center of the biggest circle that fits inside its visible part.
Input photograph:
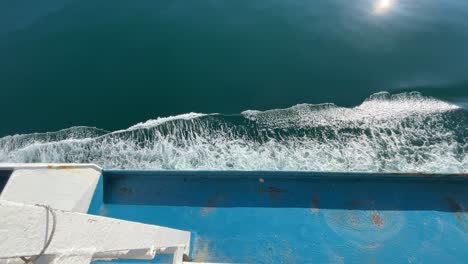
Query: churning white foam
(405, 132)
(378, 107)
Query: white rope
(46, 245)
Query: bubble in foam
(397, 133)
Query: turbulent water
(386, 133)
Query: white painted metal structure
(65, 187)
(79, 238)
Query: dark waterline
(111, 64)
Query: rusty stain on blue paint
(380, 216)
(274, 192)
(457, 210)
(354, 220)
(211, 204)
(201, 250)
(377, 219)
(315, 204)
(126, 191)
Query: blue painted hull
(298, 217)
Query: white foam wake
(405, 132)
(382, 107)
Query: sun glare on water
(382, 6)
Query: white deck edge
(62, 186)
(13, 166)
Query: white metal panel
(24, 230)
(65, 187)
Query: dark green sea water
(112, 64)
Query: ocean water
(403, 132)
(245, 85)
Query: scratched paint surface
(286, 217)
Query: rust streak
(457, 210)
(273, 191)
(454, 205)
(125, 191)
(377, 219)
(315, 204)
(66, 167)
(211, 204)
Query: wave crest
(395, 133)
